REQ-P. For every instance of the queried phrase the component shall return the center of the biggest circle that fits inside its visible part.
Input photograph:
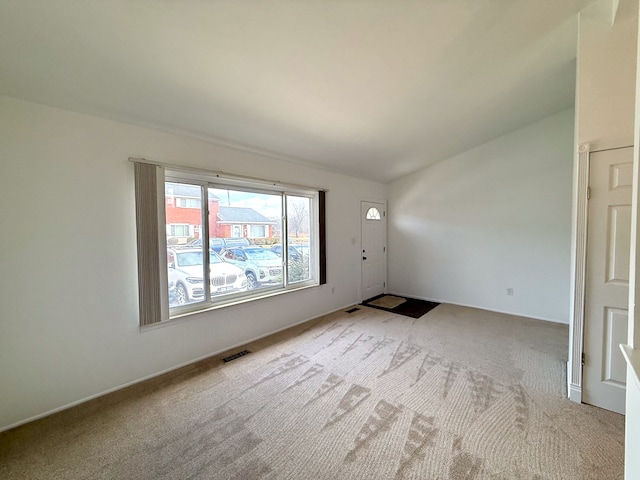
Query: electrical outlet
(509, 291)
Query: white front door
(607, 278)
(373, 218)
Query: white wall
(497, 216)
(605, 81)
(68, 289)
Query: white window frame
(317, 267)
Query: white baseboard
(516, 314)
(575, 393)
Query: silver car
(261, 265)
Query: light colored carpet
(456, 394)
(388, 301)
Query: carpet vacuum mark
(458, 394)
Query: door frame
(579, 260)
(386, 242)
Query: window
(263, 238)
(300, 250)
(178, 230)
(373, 214)
(258, 231)
(188, 202)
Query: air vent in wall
(235, 355)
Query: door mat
(409, 307)
(387, 301)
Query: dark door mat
(412, 307)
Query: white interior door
(374, 249)
(607, 278)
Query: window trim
(194, 173)
(212, 179)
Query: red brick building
(184, 217)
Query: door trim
(386, 245)
(579, 262)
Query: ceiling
(377, 89)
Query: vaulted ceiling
(376, 89)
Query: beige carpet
(457, 394)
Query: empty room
(319, 240)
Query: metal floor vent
(235, 355)
(354, 309)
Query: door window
(373, 214)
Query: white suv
(261, 265)
(186, 284)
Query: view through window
(259, 241)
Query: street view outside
(245, 241)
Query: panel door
(607, 281)
(374, 257)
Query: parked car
(298, 261)
(185, 275)
(235, 242)
(304, 250)
(261, 265)
(294, 254)
(217, 244)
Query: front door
(607, 278)
(374, 249)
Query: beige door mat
(387, 301)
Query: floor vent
(354, 309)
(235, 355)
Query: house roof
(184, 190)
(181, 190)
(241, 215)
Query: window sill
(184, 316)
